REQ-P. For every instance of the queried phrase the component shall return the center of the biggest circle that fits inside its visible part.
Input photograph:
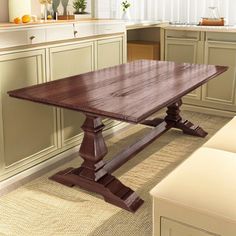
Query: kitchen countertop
(49, 23)
(226, 29)
(134, 24)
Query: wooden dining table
(130, 92)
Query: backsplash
(36, 8)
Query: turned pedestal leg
(91, 176)
(173, 117)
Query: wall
(4, 11)
(36, 8)
(188, 11)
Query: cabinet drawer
(59, 32)
(92, 29)
(224, 37)
(181, 34)
(21, 37)
(108, 28)
(84, 30)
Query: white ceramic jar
(18, 8)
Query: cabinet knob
(32, 38)
(75, 33)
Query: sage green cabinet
(77, 59)
(219, 93)
(31, 133)
(67, 61)
(216, 48)
(28, 130)
(110, 52)
(183, 47)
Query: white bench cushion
(205, 183)
(224, 139)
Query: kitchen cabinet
(184, 46)
(217, 48)
(31, 133)
(110, 53)
(27, 130)
(220, 92)
(67, 61)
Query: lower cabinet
(31, 133)
(27, 130)
(173, 228)
(220, 92)
(183, 47)
(214, 48)
(67, 61)
(110, 53)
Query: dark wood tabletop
(129, 92)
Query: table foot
(92, 175)
(112, 190)
(175, 120)
(189, 128)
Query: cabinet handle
(32, 38)
(75, 33)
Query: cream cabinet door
(172, 228)
(110, 53)
(28, 130)
(220, 92)
(68, 61)
(183, 50)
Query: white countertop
(136, 24)
(133, 24)
(54, 23)
(226, 29)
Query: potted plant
(125, 7)
(80, 7)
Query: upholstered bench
(199, 197)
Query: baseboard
(209, 111)
(34, 172)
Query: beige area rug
(43, 207)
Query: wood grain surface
(129, 92)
